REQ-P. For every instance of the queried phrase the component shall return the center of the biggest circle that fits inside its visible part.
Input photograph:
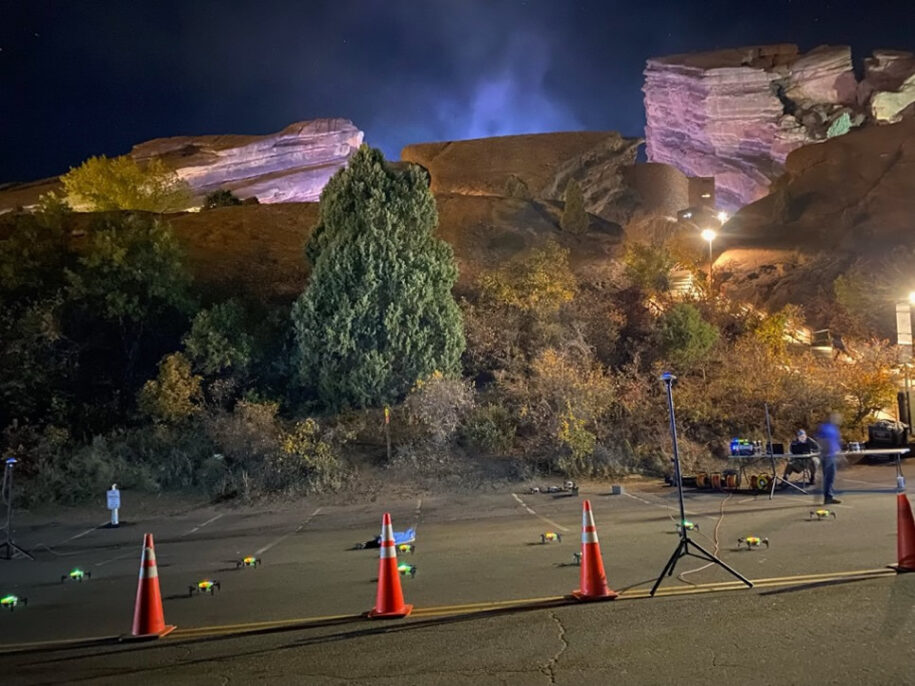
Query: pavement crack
(549, 669)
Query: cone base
(581, 597)
(900, 569)
(393, 614)
(149, 637)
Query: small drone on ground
(688, 525)
(205, 586)
(550, 536)
(405, 569)
(11, 602)
(76, 574)
(752, 542)
(406, 548)
(249, 561)
(576, 559)
(822, 514)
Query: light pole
(904, 343)
(709, 235)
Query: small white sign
(114, 499)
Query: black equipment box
(887, 434)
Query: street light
(722, 216)
(709, 235)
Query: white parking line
(538, 516)
(282, 538)
(132, 553)
(84, 533)
(641, 500)
(200, 526)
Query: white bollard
(114, 504)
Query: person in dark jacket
(807, 465)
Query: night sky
(81, 77)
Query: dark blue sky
(84, 77)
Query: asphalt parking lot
(479, 558)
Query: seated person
(803, 445)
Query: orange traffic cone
(389, 600)
(593, 580)
(905, 541)
(148, 617)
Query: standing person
(830, 447)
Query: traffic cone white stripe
(148, 568)
(387, 533)
(589, 537)
(388, 551)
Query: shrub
(101, 184)
(490, 429)
(685, 337)
(436, 407)
(378, 312)
(309, 460)
(574, 218)
(649, 266)
(537, 282)
(174, 395)
(221, 198)
(515, 187)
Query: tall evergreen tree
(574, 218)
(378, 312)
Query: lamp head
(708, 235)
(912, 298)
(668, 377)
(11, 461)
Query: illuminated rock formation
(290, 166)
(736, 114)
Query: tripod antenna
(685, 543)
(770, 451)
(9, 549)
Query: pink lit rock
(736, 114)
(290, 166)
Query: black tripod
(9, 549)
(683, 547)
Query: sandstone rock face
(850, 199)
(736, 114)
(290, 166)
(534, 166)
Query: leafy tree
(649, 266)
(221, 198)
(217, 342)
(771, 331)
(574, 217)
(685, 337)
(102, 184)
(378, 312)
(174, 395)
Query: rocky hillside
(736, 114)
(848, 200)
(534, 166)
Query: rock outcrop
(534, 166)
(737, 114)
(290, 166)
(847, 201)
